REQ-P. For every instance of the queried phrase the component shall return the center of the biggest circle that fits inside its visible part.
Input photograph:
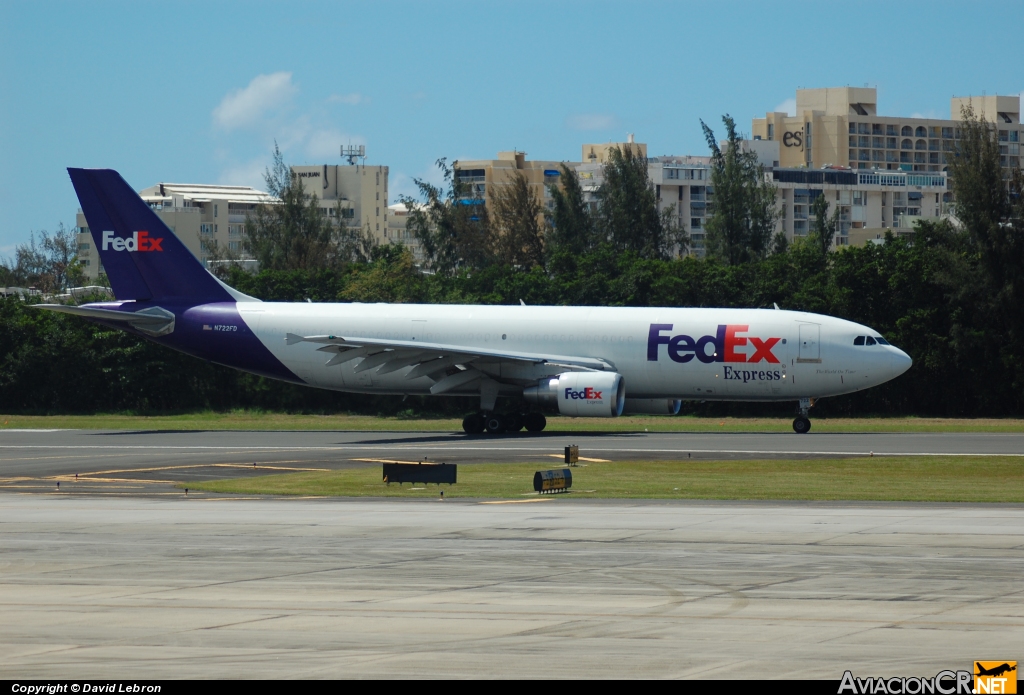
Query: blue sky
(198, 92)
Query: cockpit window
(871, 341)
(859, 340)
(882, 341)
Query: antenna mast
(353, 152)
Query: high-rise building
(841, 126)
(355, 194)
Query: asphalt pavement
(151, 462)
(132, 588)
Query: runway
(152, 462)
(184, 588)
(135, 463)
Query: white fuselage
(801, 355)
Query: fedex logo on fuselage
(138, 241)
(683, 348)
(587, 394)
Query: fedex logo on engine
(720, 347)
(587, 394)
(138, 241)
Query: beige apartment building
(481, 176)
(869, 202)
(195, 213)
(841, 126)
(359, 191)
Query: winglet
(291, 339)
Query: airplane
(996, 671)
(581, 361)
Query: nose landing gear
(802, 424)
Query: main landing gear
(498, 423)
(802, 424)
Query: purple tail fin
(141, 256)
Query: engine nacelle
(654, 406)
(581, 394)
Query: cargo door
(810, 343)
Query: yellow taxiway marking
(536, 499)
(581, 458)
(391, 461)
(204, 465)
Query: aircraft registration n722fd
(580, 361)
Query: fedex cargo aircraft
(581, 361)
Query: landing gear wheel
(513, 422)
(494, 423)
(801, 425)
(473, 424)
(535, 422)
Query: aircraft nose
(900, 362)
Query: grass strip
(917, 479)
(253, 420)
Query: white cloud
(400, 184)
(244, 107)
(929, 115)
(787, 107)
(592, 121)
(248, 174)
(352, 99)
(322, 144)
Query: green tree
(988, 207)
(745, 212)
(825, 227)
(452, 228)
(516, 231)
(390, 276)
(570, 224)
(628, 216)
(51, 265)
(291, 232)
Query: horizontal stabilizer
(151, 321)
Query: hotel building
(841, 126)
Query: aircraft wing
(448, 365)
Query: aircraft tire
(535, 422)
(473, 424)
(494, 423)
(513, 422)
(801, 425)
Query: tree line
(949, 294)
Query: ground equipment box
(552, 481)
(420, 473)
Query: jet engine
(654, 406)
(581, 394)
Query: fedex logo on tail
(683, 348)
(138, 241)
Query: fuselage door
(810, 339)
